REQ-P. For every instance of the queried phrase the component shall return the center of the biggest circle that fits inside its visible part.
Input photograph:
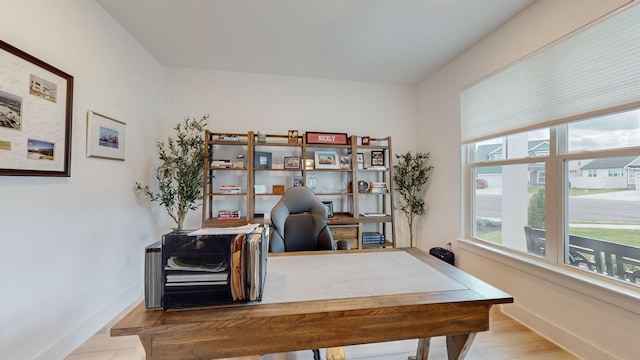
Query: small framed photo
(360, 159)
(105, 137)
(329, 206)
(262, 160)
(309, 164)
(327, 160)
(293, 136)
(345, 162)
(292, 163)
(377, 158)
(298, 181)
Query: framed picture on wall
(105, 137)
(37, 144)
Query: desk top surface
(300, 284)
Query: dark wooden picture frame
(40, 143)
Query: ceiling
(384, 41)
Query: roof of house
(610, 162)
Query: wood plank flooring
(507, 339)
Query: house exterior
(608, 173)
(493, 152)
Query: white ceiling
(386, 41)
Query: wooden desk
(384, 301)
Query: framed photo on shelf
(326, 138)
(298, 181)
(262, 160)
(377, 158)
(309, 164)
(292, 163)
(36, 104)
(360, 160)
(105, 137)
(329, 206)
(327, 160)
(345, 162)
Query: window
(566, 124)
(599, 216)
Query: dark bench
(604, 257)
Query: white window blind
(596, 68)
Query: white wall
(587, 325)
(73, 247)
(240, 102)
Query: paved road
(622, 206)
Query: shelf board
(227, 169)
(222, 194)
(377, 246)
(214, 222)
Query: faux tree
(410, 177)
(179, 174)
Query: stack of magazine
(372, 237)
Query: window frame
(556, 194)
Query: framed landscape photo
(36, 101)
(105, 137)
(292, 163)
(262, 160)
(327, 160)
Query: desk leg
(146, 344)
(458, 345)
(423, 349)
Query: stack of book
(372, 237)
(229, 189)
(218, 163)
(379, 187)
(229, 215)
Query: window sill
(592, 285)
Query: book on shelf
(372, 237)
(373, 214)
(221, 163)
(229, 214)
(230, 189)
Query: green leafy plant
(410, 176)
(536, 211)
(180, 174)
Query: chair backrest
(299, 222)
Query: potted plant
(179, 174)
(410, 176)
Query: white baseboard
(77, 336)
(559, 336)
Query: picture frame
(298, 181)
(38, 144)
(309, 164)
(262, 160)
(377, 158)
(327, 160)
(106, 137)
(292, 163)
(326, 138)
(345, 162)
(360, 160)
(329, 206)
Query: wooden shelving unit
(335, 185)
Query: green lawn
(629, 237)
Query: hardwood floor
(507, 339)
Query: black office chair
(299, 222)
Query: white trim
(598, 287)
(81, 333)
(555, 334)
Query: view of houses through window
(585, 174)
